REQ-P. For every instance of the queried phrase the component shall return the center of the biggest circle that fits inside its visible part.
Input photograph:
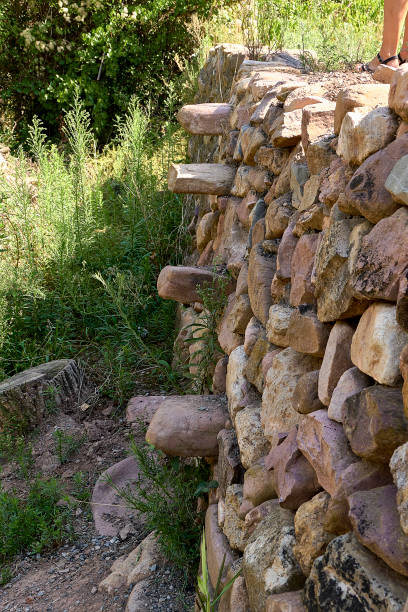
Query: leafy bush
(111, 49)
(33, 524)
(166, 493)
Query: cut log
(206, 119)
(212, 179)
(180, 283)
(28, 396)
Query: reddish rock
(278, 216)
(312, 219)
(188, 425)
(242, 280)
(251, 139)
(305, 398)
(352, 381)
(382, 258)
(306, 334)
(262, 267)
(324, 444)
(377, 344)
(285, 253)
(295, 479)
(206, 256)
(359, 476)
(374, 422)
(375, 519)
(311, 535)
(236, 316)
(404, 372)
(220, 375)
(228, 470)
(369, 95)
(336, 360)
(335, 180)
(320, 154)
(253, 370)
(230, 245)
(258, 232)
(253, 331)
(317, 120)
(302, 290)
(180, 283)
(366, 190)
(259, 484)
(286, 602)
(267, 361)
(206, 229)
(217, 546)
(245, 207)
(402, 301)
(398, 99)
(141, 408)
(256, 515)
(286, 129)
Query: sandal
(367, 68)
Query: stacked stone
(307, 210)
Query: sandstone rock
(259, 484)
(285, 602)
(352, 381)
(245, 207)
(317, 121)
(262, 267)
(326, 447)
(30, 395)
(399, 469)
(278, 416)
(268, 103)
(259, 179)
(220, 376)
(404, 372)
(241, 184)
(305, 397)
(253, 371)
(233, 526)
(335, 180)
(279, 160)
(217, 547)
(295, 479)
(237, 597)
(397, 99)
(364, 133)
(396, 182)
(286, 129)
(278, 216)
(366, 190)
(286, 249)
(302, 291)
(205, 229)
(384, 74)
(377, 344)
(298, 100)
(306, 334)
(312, 219)
(281, 185)
(251, 139)
(319, 154)
(382, 258)
(310, 194)
(242, 281)
(298, 177)
(205, 119)
(374, 422)
(334, 258)
(237, 312)
(137, 598)
(215, 179)
(336, 360)
(109, 513)
(369, 95)
(269, 565)
(229, 468)
(254, 330)
(180, 283)
(360, 476)
(311, 536)
(230, 246)
(350, 577)
(375, 521)
(256, 515)
(278, 324)
(251, 440)
(238, 389)
(258, 232)
(188, 425)
(206, 256)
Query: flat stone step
(211, 179)
(205, 119)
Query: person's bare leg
(395, 12)
(404, 46)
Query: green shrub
(112, 50)
(166, 493)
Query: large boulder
(269, 564)
(278, 415)
(350, 577)
(399, 469)
(311, 536)
(326, 447)
(382, 258)
(366, 191)
(375, 521)
(188, 425)
(377, 344)
(374, 422)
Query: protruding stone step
(27, 396)
(206, 119)
(188, 425)
(212, 179)
(180, 283)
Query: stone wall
(304, 190)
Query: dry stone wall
(304, 203)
